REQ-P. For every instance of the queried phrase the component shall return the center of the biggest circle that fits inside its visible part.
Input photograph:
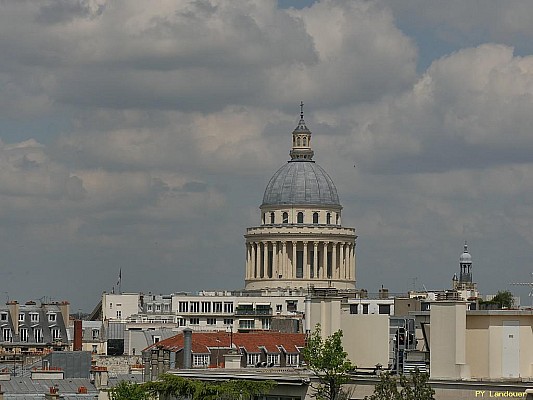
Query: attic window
(252, 359)
(292, 359)
(272, 359)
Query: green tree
(183, 388)
(414, 386)
(129, 391)
(328, 360)
(504, 299)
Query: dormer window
(52, 317)
(21, 317)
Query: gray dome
(301, 182)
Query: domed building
(300, 240)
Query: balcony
(253, 311)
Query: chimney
(64, 306)
(78, 335)
(53, 394)
(14, 307)
(187, 348)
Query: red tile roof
(252, 342)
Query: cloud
(171, 119)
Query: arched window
(315, 218)
(285, 218)
(263, 218)
(304, 141)
(271, 217)
(337, 218)
(300, 217)
(328, 218)
(298, 141)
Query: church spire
(301, 140)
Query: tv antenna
(530, 284)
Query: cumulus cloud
(172, 118)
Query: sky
(140, 137)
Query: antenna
(530, 284)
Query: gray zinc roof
(301, 182)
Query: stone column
(247, 273)
(284, 259)
(315, 259)
(354, 268)
(334, 271)
(352, 261)
(292, 274)
(305, 266)
(254, 261)
(342, 271)
(265, 260)
(324, 272)
(275, 272)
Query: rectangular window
(265, 324)
(95, 349)
(38, 335)
(354, 308)
(52, 317)
(272, 359)
(200, 360)
(23, 334)
(183, 306)
(252, 359)
(211, 321)
(119, 314)
(34, 317)
(180, 322)
(6, 334)
(149, 307)
(384, 309)
(228, 308)
(206, 306)
(195, 306)
(166, 307)
(158, 307)
(292, 360)
(194, 321)
(96, 334)
(246, 324)
(365, 308)
(56, 333)
(279, 307)
(217, 306)
(228, 321)
(3, 316)
(21, 317)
